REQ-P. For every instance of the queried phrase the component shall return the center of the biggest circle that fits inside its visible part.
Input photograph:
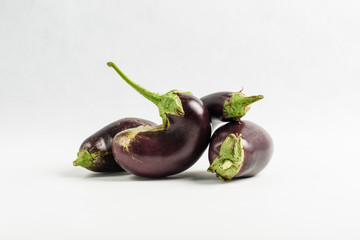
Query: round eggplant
(239, 149)
(169, 148)
(95, 153)
(228, 106)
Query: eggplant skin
(99, 145)
(157, 152)
(257, 143)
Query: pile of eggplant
(236, 149)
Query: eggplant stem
(238, 104)
(153, 97)
(230, 159)
(84, 159)
(168, 103)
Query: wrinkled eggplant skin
(257, 143)
(165, 152)
(215, 104)
(101, 142)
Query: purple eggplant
(95, 153)
(239, 149)
(228, 106)
(169, 148)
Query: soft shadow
(106, 174)
(145, 179)
(201, 177)
(204, 177)
(109, 176)
(85, 174)
(127, 177)
(196, 177)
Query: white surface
(56, 90)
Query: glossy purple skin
(169, 151)
(101, 142)
(257, 143)
(215, 104)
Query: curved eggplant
(95, 153)
(228, 106)
(239, 149)
(169, 148)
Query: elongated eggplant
(95, 153)
(169, 148)
(228, 106)
(239, 149)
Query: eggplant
(228, 106)
(239, 149)
(95, 153)
(169, 148)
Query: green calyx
(84, 159)
(230, 159)
(168, 103)
(238, 104)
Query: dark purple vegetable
(239, 149)
(95, 152)
(228, 106)
(170, 148)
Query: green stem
(238, 104)
(249, 100)
(153, 97)
(230, 158)
(84, 159)
(168, 103)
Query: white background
(56, 90)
